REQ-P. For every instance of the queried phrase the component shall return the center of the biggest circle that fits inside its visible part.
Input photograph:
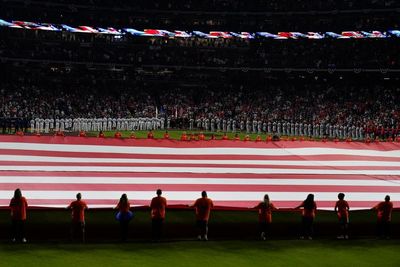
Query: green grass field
(234, 241)
(212, 253)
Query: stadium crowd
(291, 108)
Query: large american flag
(51, 170)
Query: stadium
(191, 133)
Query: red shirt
(123, 206)
(166, 136)
(158, 205)
(117, 135)
(265, 212)
(309, 212)
(133, 136)
(225, 137)
(342, 208)
(201, 137)
(192, 137)
(78, 210)
(184, 137)
(258, 139)
(18, 208)
(150, 135)
(203, 207)
(384, 210)
(81, 134)
(101, 135)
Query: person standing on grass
(384, 217)
(308, 215)
(124, 216)
(203, 207)
(265, 209)
(342, 209)
(18, 205)
(78, 208)
(157, 205)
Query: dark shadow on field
(53, 227)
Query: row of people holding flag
(203, 206)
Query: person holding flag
(157, 206)
(342, 209)
(265, 209)
(203, 208)
(78, 208)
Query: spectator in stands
(18, 206)
(158, 205)
(203, 208)
(78, 208)
(308, 214)
(265, 209)
(124, 216)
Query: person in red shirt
(265, 209)
(307, 219)
(132, 136)
(201, 136)
(101, 134)
(157, 206)
(384, 217)
(81, 133)
(203, 207)
(225, 137)
(78, 208)
(236, 138)
(124, 216)
(18, 205)
(258, 138)
(118, 135)
(246, 138)
(342, 210)
(150, 135)
(19, 133)
(166, 135)
(212, 137)
(192, 137)
(184, 137)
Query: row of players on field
(145, 124)
(203, 206)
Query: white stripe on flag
(333, 163)
(191, 181)
(196, 170)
